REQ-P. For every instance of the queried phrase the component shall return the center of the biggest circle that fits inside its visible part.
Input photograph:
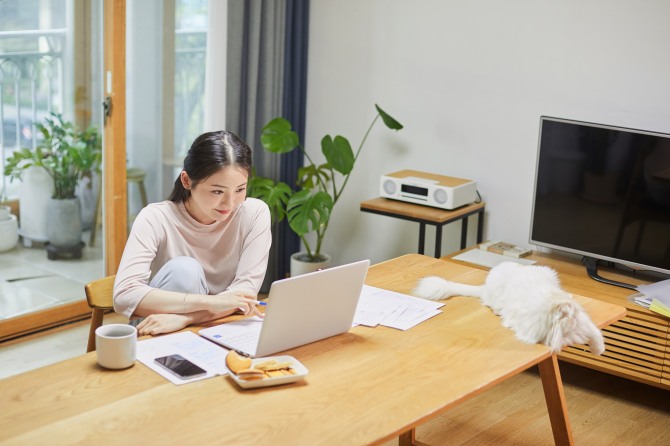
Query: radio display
(414, 190)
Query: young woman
(202, 254)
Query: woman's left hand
(162, 323)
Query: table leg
(409, 439)
(464, 232)
(422, 236)
(438, 241)
(553, 394)
(480, 226)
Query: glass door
(50, 65)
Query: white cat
(530, 301)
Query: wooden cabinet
(638, 346)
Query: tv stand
(592, 271)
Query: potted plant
(308, 208)
(67, 155)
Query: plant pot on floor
(9, 229)
(301, 263)
(64, 228)
(34, 192)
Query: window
(33, 52)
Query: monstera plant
(309, 204)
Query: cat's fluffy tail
(435, 288)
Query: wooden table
(367, 386)
(426, 215)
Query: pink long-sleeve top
(233, 252)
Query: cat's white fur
(530, 301)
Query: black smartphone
(180, 366)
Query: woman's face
(214, 198)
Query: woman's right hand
(225, 302)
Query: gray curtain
(266, 78)
(294, 109)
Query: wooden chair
(99, 297)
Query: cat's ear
(562, 323)
(592, 334)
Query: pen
(262, 303)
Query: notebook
(300, 310)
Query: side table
(426, 215)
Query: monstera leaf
(307, 212)
(275, 195)
(277, 136)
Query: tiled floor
(29, 281)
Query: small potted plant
(308, 208)
(67, 155)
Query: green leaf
(307, 211)
(338, 152)
(276, 196)
(66, 154)
(277, 136)
(388, 120)
(308, 176)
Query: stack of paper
(642, 300)
(659, 293)
(396, 310)
(196, 349)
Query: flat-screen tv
(603, 192)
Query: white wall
(469, 80)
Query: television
(603, 192)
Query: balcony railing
(31, 85)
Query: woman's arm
(161, 301)
(169, 311)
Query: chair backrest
(99, 297)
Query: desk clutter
(506, 249)
(375, 307)
(654, 297)
(484, 257)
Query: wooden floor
(603, 410)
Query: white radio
(428, 189)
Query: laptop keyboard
(245, 342)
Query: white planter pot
(299, 267)
(64, 227)
(87, 191)
(35, 191)
(9, 230)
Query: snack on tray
(236, 362)
(242, 368)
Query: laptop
(300, 310)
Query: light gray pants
(181, 274)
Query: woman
(203, 253)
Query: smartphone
(180, 366)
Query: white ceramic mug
(116, 345)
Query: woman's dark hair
(209, 153)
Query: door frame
(115, 195)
